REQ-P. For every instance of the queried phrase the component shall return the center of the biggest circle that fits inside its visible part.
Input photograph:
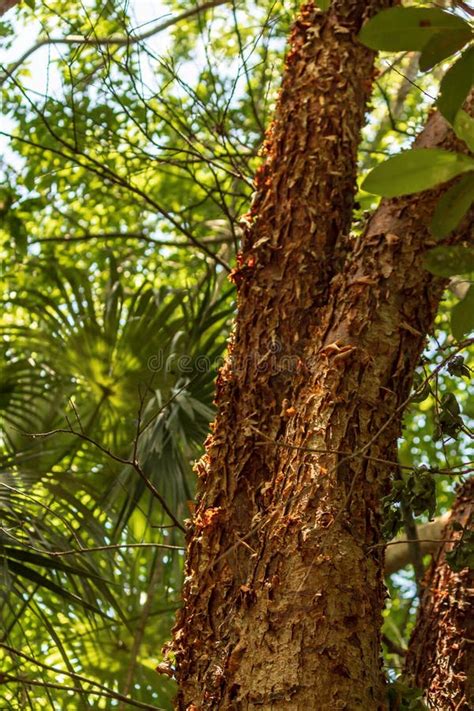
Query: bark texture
(283, 591)
(441, 653)
(399, 553)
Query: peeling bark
(440, 658)
(284, 590)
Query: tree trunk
(398, 553)
(284, 590)
(440, 658)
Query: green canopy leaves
(431, 29)
(416, 170)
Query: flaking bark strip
(440, 657)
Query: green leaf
(449, 261)
(44, 582)
(421, 491)
(458, 368)
(464, 128)
(462, 316)
(452, 207)
(448, 419)
(416, 170)
(450, 404)
(7, 390)
(408, 28)
(442, 45)
(455, 85)
(421, 388)
(46, 561)
(31, 3)
(324, 4)
(402, 697)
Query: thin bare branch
(5, 678)
(129, 462)
(113, 40)
(141, 236)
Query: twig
(393, 647)
(395, 413)
(113, 40)
(104, 172)
(67, 239)
(140, 628)
(465, 466)
(413, 543)
(92, 549)
(129, 462)
(5, 678)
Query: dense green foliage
(127, 165)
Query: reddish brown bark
(6, 5)
(441, 654)
(283, 591)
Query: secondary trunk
(441, 655)
(283, 591)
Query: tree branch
(68, 239)
(113, 40)
(95, 167)
(5, 678)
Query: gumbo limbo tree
(342, 414)
(283, 588)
